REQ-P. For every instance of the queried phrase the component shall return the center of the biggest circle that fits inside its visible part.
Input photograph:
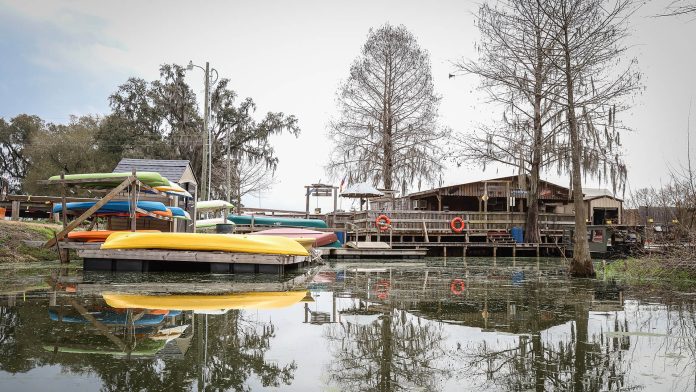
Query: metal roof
(172, 169)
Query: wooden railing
(438, 222)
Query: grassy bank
(13, 235)
(653, 271)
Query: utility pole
(205, 186)
(229, 168)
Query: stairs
(500, 237)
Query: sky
(60, 58)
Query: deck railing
(438, 222)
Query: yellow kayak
(307, 243)
(249, 300)
(205, 242)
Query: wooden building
(505, 194)
(178, 171)
(602, 207)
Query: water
(510, 326)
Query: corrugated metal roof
(172, 169)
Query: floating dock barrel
(224, 228)
(517, 234)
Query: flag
(343, 181)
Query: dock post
(63, 190)
(514, 251)
(495, 252)
(133, 205)
(444, 252)
(537, 250)
(15, 210)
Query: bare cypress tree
(589, 39)
(516, 39)
(387, 129)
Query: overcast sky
(59, 58)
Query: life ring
(457, 286)
(383, 222)
(457, 225)
(382, 289)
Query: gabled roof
(598, 193)
(498, 179)
(170, 168)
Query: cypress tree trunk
(532, 234)
(581, 265)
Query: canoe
(111, 207)
(108, 317)
(98, 235)
(308, 243)
(212, 205)
(205, 242)
(263, 220)
(203, 223)
(179, 213)
(145, 347)
(321, 238)
(152, 179)
(248, 300)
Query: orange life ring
(457, 286)
(382, 289)
(457, 225)
(383, 222)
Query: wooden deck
(353, 253)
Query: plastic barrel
(517, 234)
(341, 235)
(2, 213)
(224, 228)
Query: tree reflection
(397, 351)
(572, 361)
(226, 351)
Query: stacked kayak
(212, 222)
(263, 220)
(205, 242)
(247, 300)
(212, 205)
(152, 179)
(99, 235)
(320, 238)
(112, 206)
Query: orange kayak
(98, 235)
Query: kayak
(263, 220)
(320, 238)
(247, 300)
(212, 205)
(178, 212)
(152, 179)
(203, 223)
(111, 207)
(205, 242)
(99, 235)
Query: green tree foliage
(15, 136)
(69, 148)
(161, 119)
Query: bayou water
(483, 325)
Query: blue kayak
(112, 206)
(177, 211)
(108, 317)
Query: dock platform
(149, 260)
(374, 253)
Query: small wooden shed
(178, 171)
(602, 207)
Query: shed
(602, 207)
(176, 170)
(179, 171)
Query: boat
(212, 205)
(246, 300)
(263, 220)
(320, 238)
(203, 223)
(99, 235)
(179, 213)
(235, 243)
(111, 207)
(152, 179)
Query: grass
(652, 271)
(13, 236)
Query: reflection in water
(374, 327)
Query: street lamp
(207, 166)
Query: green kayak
(276, 221)
(149, 178)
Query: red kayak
(322, 238)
